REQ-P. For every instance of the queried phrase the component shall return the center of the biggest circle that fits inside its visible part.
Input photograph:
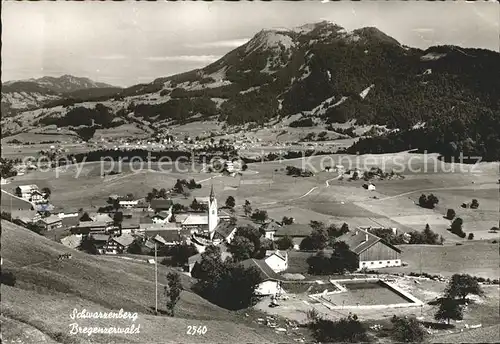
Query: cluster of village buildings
(158, 226)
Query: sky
(126, 43)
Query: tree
(259, 215)
(343, 259)
(317, 240)
(287, 220)
(223, 283)
(135, 247)
(46, 192)
(244, 167)
(285, 243)
(335, 232)
(85, 217)
(87, 245)
(181, 253)
(347, 329)
(432, 201)
(471, 236)
(474, 204)
(422, 201)
(7, 278)
(118, 218)
(316, 225)
(450, 214)
(430, 237)
(428, 202)
(177, 207)
(230, 202)
(116, 204)
(172, 291)
(462, 285)
(456, 227)
(407, 329)
(247, 208)
(162, 193)
(449, 309)
(195, 205)
(241, 248)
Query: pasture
(103, 284)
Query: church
(206, 224)
(201, 228)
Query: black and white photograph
(250, 172)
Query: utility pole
(156, 281)
(420, 260)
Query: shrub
(8, 278)
(347, 329)
(300, 123)
(284, 243)
(428, 202)
(450, 214)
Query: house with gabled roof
(270, 228)
(296, 231)
(160, 204)
(277, 260)
(162, 217)
(270, 283)
(50, 222)
(372, 251)
(118, 244)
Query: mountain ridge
(316, 70)
(21, 95)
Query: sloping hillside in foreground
(37, 309)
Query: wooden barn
(373, 252)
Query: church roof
(196, 220)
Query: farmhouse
(224, 232)
(26, 217)
(162, 217)
(373, 252)
(51, 222)
(158, 205)
(270, 229)
(277, 260)
(128, 204)
(270, 281)
(118, 244)
(25, 191)
(72, 241)
(171, 233)
(296, 231)
(94, 227)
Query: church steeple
(212, 193)
(213, 216)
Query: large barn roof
(360, 240)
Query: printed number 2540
(196, 330)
